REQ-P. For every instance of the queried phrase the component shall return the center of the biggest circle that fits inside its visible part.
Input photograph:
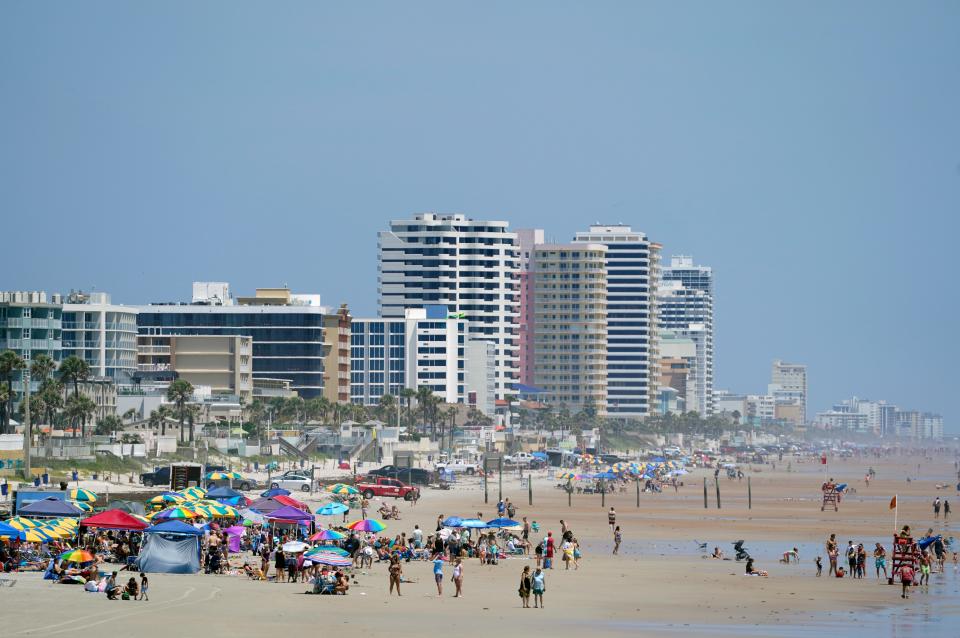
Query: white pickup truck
(520, 458)
(458, 466)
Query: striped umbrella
(175, 513)
(193, 493)
(142, 519)
(167, 498)
(328, 558)
(566, 476)
(36, 535)
(367, 525)
(77, 556)
(86, 507)
(328, 535)
(22, 522)
(81, 494)
(343, 489)
(217, 476)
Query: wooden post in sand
(603, 493)
(749, 495)
(717, 482)
(530, 489)
(486, 496)
(704, 493)
(638, 491)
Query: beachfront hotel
(101, 333)
(469, 266)
(570, 342)
(287, 330)
(632, 361)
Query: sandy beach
(660, 583)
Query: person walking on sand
(526, 584)
(612, 518)
(548, 551)
(906, 579)
(832, 553)
(880, 560)
(936, 507)
(438, 574)
(617, 539)
(396, 573)
(458, 578)
(539, 587)
(946, 509)
(144, 585)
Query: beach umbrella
(472, 523)
(77, 556)
(193, 493)
(22, 522)
(332, 509)
(142, 519)
(502, 522)
(86, 507)
(175, 513)
(276, 491)
(217, 476)
(295, 547)
(328, 535)
(452, 521)
(367, 525)
(81, 494)
(566, 476)
(36, 535)
(343, 489)
(329, 558)
(167, 498)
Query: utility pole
(27, 472)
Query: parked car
(458, 466)
(388, 487)
(414, 475)
(520, 458)
(293, 481)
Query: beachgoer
(906, 579)
(819, 563)
(525, 587)
(717, 553)
(832, 553)
(538, 552)
(539, 587)
(438, 574)
(617, 539)
(417, 537)
(936, 507)
(852, 558)
(458, 578)
(880, 560)
(144, 584)
(925, 569)
(396, 572)
(132, 590)
(112, 589)
(549, 551)
(612, 518)
(946, 509)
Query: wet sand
(661, 583)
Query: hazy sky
(808, 151)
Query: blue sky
(808, 151)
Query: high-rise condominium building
(788, 383)
(30, 324)
(528, 239)
(287, 331)
(632, 266)
(570, 343)
(467, 265)
(685, 305)
(102, 334)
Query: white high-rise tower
(469, 266)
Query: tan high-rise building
(336, 364)
(570, 308)
(222, 362)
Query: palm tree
(178, 393)
(386, 407)
(42, 367)
(80, 408)
(158, 417)
(51, 393)
(4, 398)
(10, 363)
(407, 394)
(130, 415)
(73, 370)
(193, 414)
(424, 394)
(109, 425)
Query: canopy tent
(289, 514)
(253, 517)
(114, 519)
(275, 491)
(132, 507)
(266, 505)
(167, 553)
(50, 506)
(223, 492)
(292, 502)
(173, 527)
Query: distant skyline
(809, 153)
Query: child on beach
(819, 563)
(617, 539)
(144, 583)
(906, 579)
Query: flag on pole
(893, 503)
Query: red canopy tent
(114, 519)
(291, 502)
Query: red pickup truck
(379, 486)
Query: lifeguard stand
(905, 552)
(830, 495)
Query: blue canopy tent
(223, 492)
(171, 547)
(275, 491)
(50, 507)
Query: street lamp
(26, 424)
